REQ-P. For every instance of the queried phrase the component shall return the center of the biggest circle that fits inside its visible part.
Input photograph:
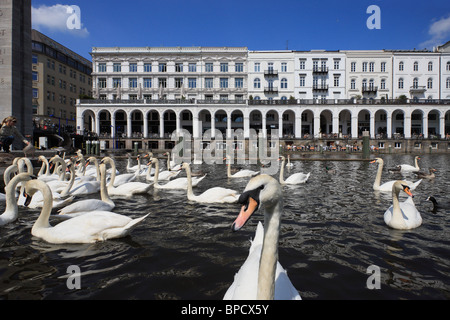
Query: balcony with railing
(270, 89)
(271, 73)
(320, 70)
(369, 89)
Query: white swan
(171, 165)
(212, 195)
(87, 205)
(289, 164)
(387, 186)
(402, 215)
(241, 173)
(12, 211)
(296, 178)
(162, 175)
(127, 189)
(261, 276)
(79, 188)
(117, 178)
(178, 183)
(87, 228)
(409, 168)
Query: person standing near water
(8, 132)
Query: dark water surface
(332, 231)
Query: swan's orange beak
(373, 161)
(245, 214)
(408, 191)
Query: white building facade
(148, 93)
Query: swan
(138, 169)
(83, 206)
(12, 211)
(171, 165)
(212, 195)
(409, 168)
(404, 215)
(12, 169)
(296, 178)
(118, 178)
(178, 183)
(424, 175)
(127, 189)
(261, 276)
(387, 186)
(162, 175)
(241, 173)
(289, 164)
(79, 188)
(87, 228)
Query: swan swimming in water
(261, 276)
(296, 178)
(87, 205)
(402, 215)
(244, 173)
(12, 211)
(387, 186)
(87, 228)
(212, 195)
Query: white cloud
(439, 32)
(58, 18)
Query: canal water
(332, 232)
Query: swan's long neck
(282, 171)
(269, 254)
(103, 190)
(190, 193)
(155, 178)
(397, 216)
(43, 168)
(42, 221)
(229, 170)
(69, 186)
(113, 172)
(377, 182)
(417, 163)
(11, 210)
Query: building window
(364, 67)
(372, 67)
(448, 65)
(209, 67)
(133, 67)
(336, 64)
(401, 66)
(257, 67)
(364, 84)
(102, 83)
(223, 83)
(284, 83)
(117, 67)
(430, 83)
(239, 83)
(336, 81)
(117, 82)
(209, 83)
(383, 67)
(178, 83)
(192, 83)
(284, 67)
(35, 93)
(178, 67)
(415, 83)
(398, 145)
(302, 81)
(162, 82)
(192, 67)
(35, 76)
(162, 67)
(147, 67)
(447, 83)
(416, 66)
(353, 84)
(132, 83)
(383, 84)
(430, 66)
(257, 83)
(239, 67)
(353, 67)
(400, 83)
(102, 67)
(302, 64)
(224, 67)
(147, 83)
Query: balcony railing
(320, 87)
(271, 73)
(270, 89)
(369, 89)
(320, 70)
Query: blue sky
(256, 24)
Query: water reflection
(332, 231)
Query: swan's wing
(86, 205)
(298, 178)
